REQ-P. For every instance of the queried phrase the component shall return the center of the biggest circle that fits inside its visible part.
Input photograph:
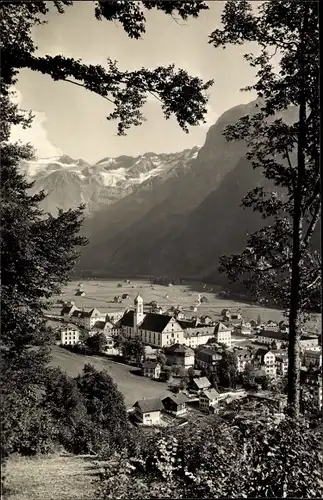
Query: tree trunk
(295, 299)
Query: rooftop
(149, 405)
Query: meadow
(100, 294)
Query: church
(161, 330)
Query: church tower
(138, 316)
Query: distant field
(100, 294)
(132, 386)
(51, 477)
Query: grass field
(100, 294)
(51, 477)
(132, 386)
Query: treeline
(165, 280)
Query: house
(87, 319)
(148, 411)
(80, 293)
(208, 399)
(281, 363)
(308, 341)
(199, 384)
(110, 348)
(175, 404)
(267, 360)
(244, 357)
(267, 337)
(151, 369)
(68, 310)
(179, 354)
(236, 319)
(222, 334)
(206, 357)
(206, 320)
(195, 334)
(312, 358)
(70, 334)
(243, 328)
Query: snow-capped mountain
(69, 182)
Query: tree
(259, 320)
(180, 94)
(104, 405)
(282, 138)
(161, 358)
(191, 372)
(38, 252)
(96, 342)
(227, 369)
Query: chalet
(199, 384)
(222, 334)
(148, 411)
(70, 334)
(179, 354)
(312, 358)
(208, 400)
(206, 357)
(151, 369)
(175, 404)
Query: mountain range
(159, 214)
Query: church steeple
(138, 313)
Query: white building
(268, 361)
(87, 319)
(70, 334)
(222, 334)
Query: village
(210, 365)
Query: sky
(71, 120)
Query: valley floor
(52, 477)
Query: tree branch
(311, 227)
(84, 87)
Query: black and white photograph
(161, 275)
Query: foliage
(165, 280)
(228, 369)
(133, 349)
(104, 405)
(161, 358)
(180, 94)
(220, 460)
(96, 342)
(282, 138)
